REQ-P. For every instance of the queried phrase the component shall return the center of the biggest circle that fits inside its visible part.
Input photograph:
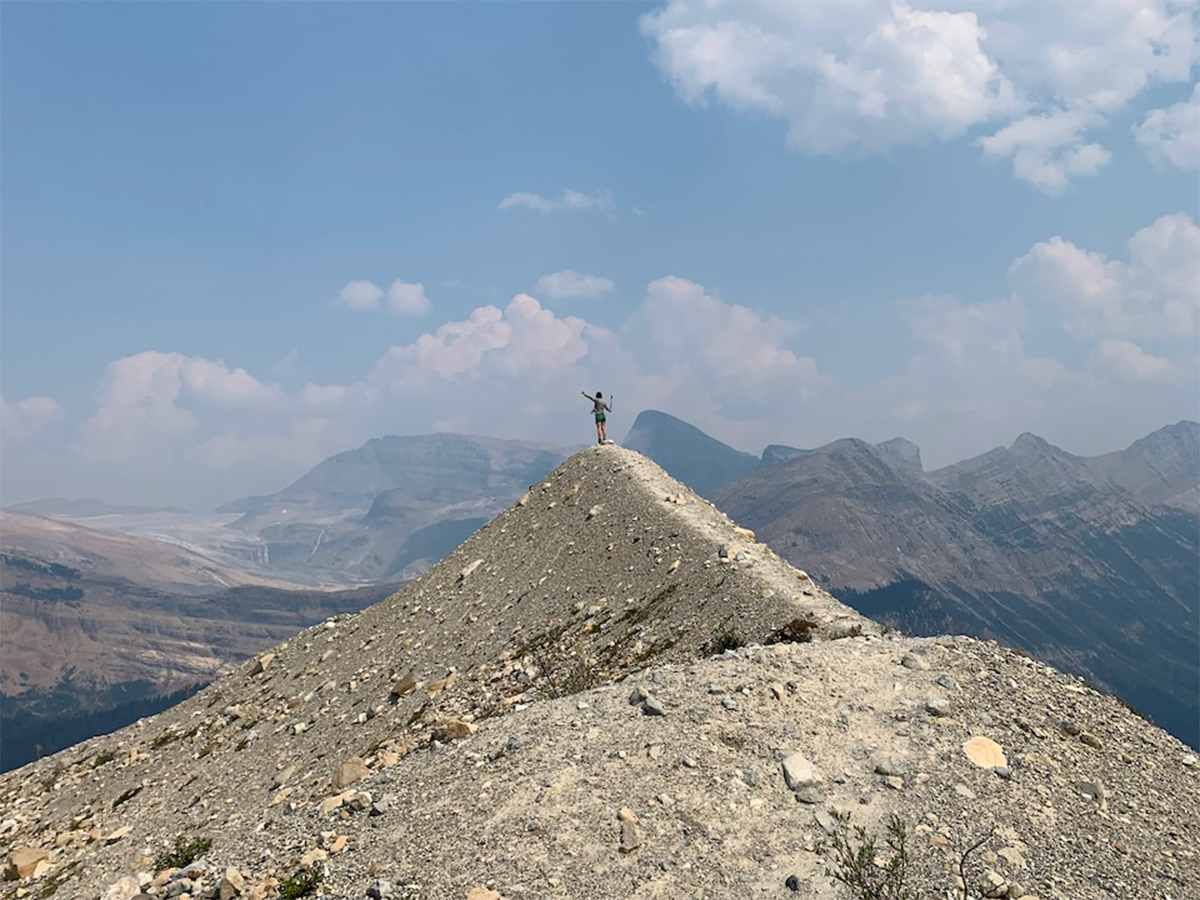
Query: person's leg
(603, 432)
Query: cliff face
(468, 737)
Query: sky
(237, 238)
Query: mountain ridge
(542, 714)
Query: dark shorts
(599, 418)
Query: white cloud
(569, 283)
(570, 200)
(1172, 135)
(1155, 295)
(151, 399)
(28, 419)
(1128, 360)
(408, 299)
(359, 296)
(173, 428)
(869, 76)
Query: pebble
(914, 661)
(799, 773)
(729, 703)
(379, 889)
(652, 706)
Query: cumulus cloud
(27, 419)
(1154, 295)
(1040, 78)
(359, 296)
(1128, 360)
(408, 299)
(189, 429)
(150, 399)
(569, 200)
(569, 283)
(1172, 135)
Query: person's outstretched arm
(589, 396)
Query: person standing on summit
(599, 408)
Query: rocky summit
(612, 691)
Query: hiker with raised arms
(599, 407)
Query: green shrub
(182, 852)
(302, 883)
(855, 866)
(128, 795)
(100, 759)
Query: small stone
(811, 795)
(689, 763)
(625, 814)
(1119, 846)
(937, 707)
(792, 883)
(22, 862)
(115, 836)
(1091, 740)
(945, 681)
(729, 703)
(1012, 856)
(1189, 760)
(638, 695)
(825, 821)
(1093, 790)
(963, 791)
(352, 770)
(404, 686)
(984, 752)
(379, 889)
(123, 889)
(630, 839)
(914, 661)
(895, 782)
(890, 764)
(778, 690)
(1072, 728)
(454, 730)
(480, 892)
(799, 773)
(233, 884)
(1004, 772)
(652, 706)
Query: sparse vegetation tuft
(726, 639)
(302, 883)
(167, 737)
(183, 851)
(127, 796)
(101, 758)
(856, 865)
(797, 631)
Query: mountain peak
(1028, 442)
(904, 452)
(698, 460)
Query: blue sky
(784, 223)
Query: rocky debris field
(611, 691)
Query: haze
(238, 238)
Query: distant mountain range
(1092, 564)
(392, 507)
(85, 508)
(94, 620)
